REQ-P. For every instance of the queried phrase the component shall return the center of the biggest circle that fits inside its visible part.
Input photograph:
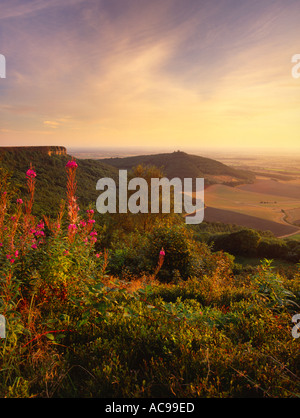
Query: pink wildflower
(93, 233)
(30, 173)
(91, 221)
(72, 164)
(91, 211)
(72, 226)
(34, 246)
(97, 255)
(19, 201)
(12, 260)
(82, 223)
(39, 233)
(17, 253)
(160, 260)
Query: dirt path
(289, 235)
(284, 219)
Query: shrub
(272, 248)
(242, 242)
(177, 244)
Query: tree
(242, 242)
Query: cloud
(56, 123)
(145, 69)
(19, 8)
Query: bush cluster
(251, 243)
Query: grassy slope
(51, 177)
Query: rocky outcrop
(50, 150)
(57, 151)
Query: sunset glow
(170, 73)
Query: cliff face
(57, 151)
(50, 150)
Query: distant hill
(183, 165)
(49, 164)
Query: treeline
(204, 229)
(251, 243)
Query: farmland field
(264, 206)
(271, 202)
(230, 217)
(274, 187)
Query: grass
(256, 261)
(295, 237)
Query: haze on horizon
(168, 74)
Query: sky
(155, 73)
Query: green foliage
(142, 344)
(51, 177)
(175, 240)
(247, 242)
(129, 258)
(272, 248)
(75, 331)
(243, 242)
(270, 288)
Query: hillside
(46, 150)
(49, 164)
(156, 314)
(183, 165)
